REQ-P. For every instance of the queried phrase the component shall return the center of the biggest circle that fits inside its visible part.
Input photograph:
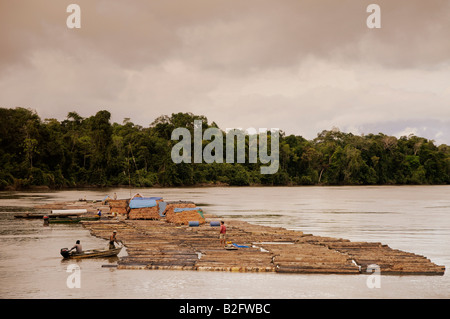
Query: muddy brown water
(411, 218)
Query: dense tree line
(95, 152)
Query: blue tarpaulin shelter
(142, 203)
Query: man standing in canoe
(113, 239)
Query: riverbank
(44, 188)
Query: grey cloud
(231, 34)
(302, 66)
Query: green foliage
(95, 152)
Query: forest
(93, 152)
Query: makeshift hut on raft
(182, 213)
(144, 208)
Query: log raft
(158, 244)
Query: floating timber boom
(157, 244)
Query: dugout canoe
(53, 214)
(93, 253)
(30, 215)
(58, 220)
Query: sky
(302, 66)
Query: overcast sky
(299, 65)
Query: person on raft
(113, 239)
(222, 233)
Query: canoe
(72, 220)
(54, 214)
(30, 215)
(68, 212)
(93, 253)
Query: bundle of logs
(158, 244)
(177, 212)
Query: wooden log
(317, 270)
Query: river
(411, 218)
